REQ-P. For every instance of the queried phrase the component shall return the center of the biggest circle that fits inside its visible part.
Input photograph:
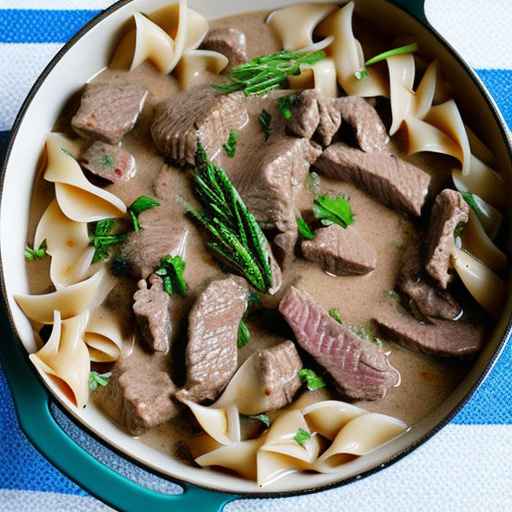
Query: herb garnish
(236, 237)
(267, 72)
(263, 418)
(409, 48)
(107, 161)
(265, 120)
(98, 379)
(335, 314)
(312, 380)
(333, 210)
(244, 335)
(172, 272)
(102, 239)
(285, 105)
(301, 436)
(367, 333)
(304, 230)
(141, 204)
(35, 254)
(459, 230)
(472, 201)
(230, 145)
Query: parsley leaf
(285, 104)
(102, 239)
(263, 418)
(244, 335)
(312, 380)
(141, 204)
(172, 272)
(230, 145)
(301, 436)
(265, 120)
(35, 254)
(333, 210)
(304, 230)
(335, 313)
(98, 379)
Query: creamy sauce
(426, 382)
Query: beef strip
(360, 369)
(158, 237)
(151, 308)
(284, 247)
(448, 212)
(110, 162)
(306, 117)
(140, 393)
(199, 114)
(428, 299)
(339, 251)
(231, 42)
(446, 338)
(211, 352)
(108, 111)
(385, 176)
(279, 366)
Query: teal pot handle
(415, 8)
(31, 400)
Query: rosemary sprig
(236, 237)
(263, 74)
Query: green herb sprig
(244, 335)
(236, 237)
(102, 239)
(301, 436)
(172, 272)
(402, 50)
(230, 145)
(267, 72)
(263, 418)
(333, 210)
(311, 379)
(304, 229)
(141, 204)
(265, 120)
(98, 379)
(336, 315)
(37, 253)
(285, 105)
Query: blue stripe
(499, 83)
(41, 26)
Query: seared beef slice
(197, 115)
(110, 162)
(448, 212)
(231, 42)
(140, 392)
(109, 111)
(212, 353)
(151, 307)
(446, 338)
(306, 117)
(385, 176)
(280, 367)
(360, 369)
(339, 251)
(430, 300)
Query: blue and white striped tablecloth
(466, 467)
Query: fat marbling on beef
(108, 111)
(151, 308)
(385, 176)
(449, 210)
(340, 251)
(360, 369)
(110, 162)
(197, 115)
(212, 353)
(140, 393)
(231, 42)
(447, 338)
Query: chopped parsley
(230, 145)
(361, 74)
(335, 313)
(102, 239)
(304, 230)
(172, 272)
(311, 379)
(35, 254)
(263, 418)
(98, 379)
(141, 204)
(409, 48)
(333, 210)
(244, 335)
(107, 161)
(285, 105)
(301, 436)
(265, 120)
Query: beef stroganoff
(269, 241)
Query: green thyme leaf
(304, 230)
(172, 272)
(244, 335)
(301, 436)
(35, 254)
(98, 379)
(333, 210)
(311, 379)
(265, 120)
(335, 313)
(409, 48)
(230, 145)
(141, 204)
(263, 418)
(285, 105)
